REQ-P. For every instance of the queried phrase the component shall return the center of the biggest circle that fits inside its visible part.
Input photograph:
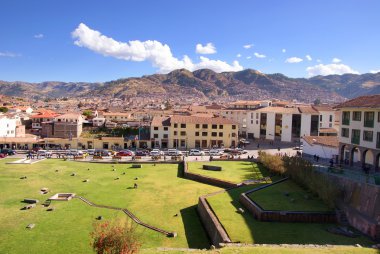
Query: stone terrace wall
(213, 227)
(206, 179)
(361, 204)
(283, 216)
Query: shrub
(273, 163)
(117, 237)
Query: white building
(11, 127)
(323, 146)
(98, 121)
(359, 139)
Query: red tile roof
(331, 141)
(368, 101)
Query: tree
(317, 102)
(3, 109)
(117, 237)
(87, 113)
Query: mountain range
(245, 85)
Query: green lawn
(244, 228)
(298, 199)
(233, 171)
(160, 195)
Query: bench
(213, 168)
(137, 157)
(136, 166)
(97, 157)
(116, 157)
(80, 157)
(224, 157)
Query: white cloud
(249, 57)
(283, 50)
(336, 60)
(8, 54)
(157, 53)
(293, 60)
(319, 60)
(248, 46)
(259, 55)
(329, 69)
(209, 48)
(308, 57)
(238, 55)
(374, 71)
(38, 36)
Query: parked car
(3, 155)
(102, 152)
(215, 152)
(174, 152)
(196, 152)
(8, 151)
(244, 141)
(155, 153)
(125, 153)
(158, 151)
(44, 153)
(141, 153)
(91, 151)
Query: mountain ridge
(247, 84)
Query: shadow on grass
(180, 170)
(195, 233)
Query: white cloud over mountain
(329, 69)
(209, 48)
(158, 54)
(293, 60)
(374, 71)
(336, 60)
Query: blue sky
(91, 40)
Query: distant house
(64, 126)
(98, 121)
(323, 146)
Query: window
(197, 126)
(155, 135)
(233, 127)
(175, 133)
(165, 128)
(251, 121)
(346, 118)
(214, 126)
(330, 118)
(368, 136)
(345, 132)
(251, 115)
(355, 137)
(165, 135)
(204, 126)
(175, 125)
(183, 125)
(369, 118)
(156, 128)
(214, 134)
(204, 134)
(378, 117)
(220, 134)
(233, 135)
(197, 133)
(320, 118)
(221, 126)
(356, 116)
(257, 115)
(183, 133)
(378, 140)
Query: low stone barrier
(283, 216)
(206, 179)
(136, 166)
(214, 228)
(213, 168)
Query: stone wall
(361, 205)
(213, 227)
(283, 216)
(206, 179)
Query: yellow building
(185, 132)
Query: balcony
(355, 140)
(346, 121)
(369, 123)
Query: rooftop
(368, 101)
(331, 141)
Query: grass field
(160, 195)
(297, 199)
(244, 228)
(233, 171)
